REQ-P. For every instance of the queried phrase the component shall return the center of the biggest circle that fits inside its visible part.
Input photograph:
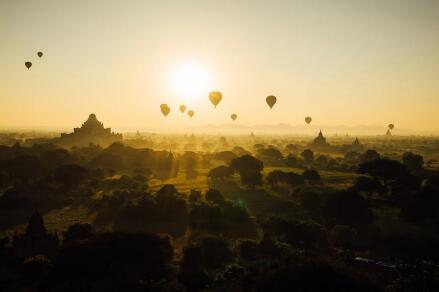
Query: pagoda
(356, 146)
(36, 239)
(92, 131)
(319, 143)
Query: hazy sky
(341, 62)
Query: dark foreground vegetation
(219, 215)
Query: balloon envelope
(191, 113)
(391, 126)
(28, 64)
(40, 54)
(308, 120)
(215, 97)
(271, 100)
(182, 108)
(165, 109)
(233, 116)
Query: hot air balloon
(165, 109)
(182, 108)
(215, 97)
(391, 126)
(233, 116)
(271, 100)
(40, 54)
(28, 65)
(191, 113)
(308, 120)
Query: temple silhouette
(356, 146)
(319, 143)
(36, 239)
(92, 131)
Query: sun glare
(190, 81)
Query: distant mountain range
(363, 130)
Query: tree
(249, 169)
(71, 174)
(55, 158)
(422, 206)
(433, 182)
(294, 179)
(115, 256)
(311, 175)
(247, 163)
(398, 181)
(214, 196)
(221, 172)
(271, 155)
(308, 156)
(385, 169)
(412, 161)
(294, 232)
(77, 231)
(278, 176)
(167, 212)
(251, 179)
(26, 167)
(275, 177)
(369, 155)
(291, 160)
(352, 157)
(311, 201)
(322, 160)
(347, 208)
(107, 160)
(194, 196)
(208, 254)
(190, 162)
(368, 185)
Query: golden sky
(341, 62)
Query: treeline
(252, 230)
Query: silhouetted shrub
(70, 175)
(308, 156)
(78, 231)
(307, 235)
(346, 208)
(214, 196)
(114, 257)
(311, 176)
(270, 155)
(369, 156)
(412, 161)
(221, 172)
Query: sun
(190, 81)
